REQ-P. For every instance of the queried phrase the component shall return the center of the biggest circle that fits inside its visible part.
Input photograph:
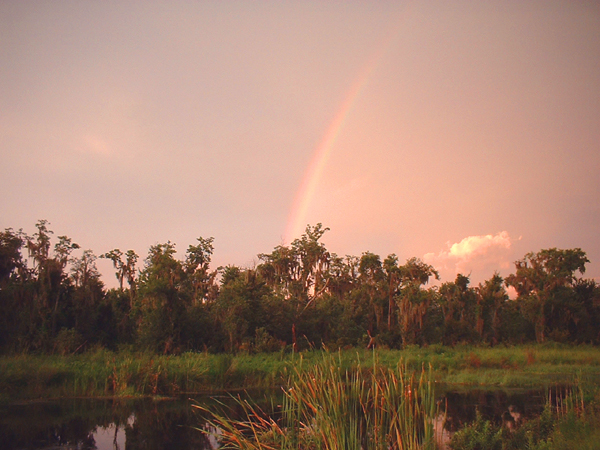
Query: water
(118, 424)
(509, 407)
(102, 424)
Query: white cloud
(474, 246)
(474, 254)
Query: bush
(265, 343)
(480, 435)
(68, 341)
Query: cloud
(474, 254)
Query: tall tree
(13, 276)
(393, 277)
(463, 315)
(159, 300)
(199, 278)
(413, 300)
(371, 277)
(50, 271)
(39, 245)
(12, 265)
(240, 306)
(299, 272)
(126, 270)
(89, 319)
(541, 279)
(492, 297)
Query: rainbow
(296, 223)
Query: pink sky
(463, 133)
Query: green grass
(327, 407)
(104, 373)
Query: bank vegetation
(299, 297)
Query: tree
(342, 275)
(159, 306)
(126, 270)
(240, 306)
(393, 276)
(12, 265)
(199, 279)
(13, 276)
(50, 271)
(585, 323)
(84, 269)
(116, 256)
(352, 317)
(88, 317)
(39, 245)
(463, 314)
(299, 272)
(371, 277)
(313, 260)
(543, 280)
(413, 300)
(491, 298)
(169, 289)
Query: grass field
(104, 373)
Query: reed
(326, 406)
(127, 373)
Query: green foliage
(68, 341)
(545, 284)
(327, 406)
(300, 296)
(480, 435)
(129, 372)
(265, 343)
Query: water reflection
(508, 407)
(500, 406)
(172, 424)
(111, 437)
(101, 424)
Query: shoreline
(104, 374)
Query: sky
(463, 133)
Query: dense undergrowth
(105, 373)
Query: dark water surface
(111, 424)
(101, 424)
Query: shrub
(68, 341)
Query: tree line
(297, 296)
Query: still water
(101, 424)
(118, 424)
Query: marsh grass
(327, 406)
(127, 373)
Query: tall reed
(328, 407)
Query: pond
(119, 424)
(101, 424)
